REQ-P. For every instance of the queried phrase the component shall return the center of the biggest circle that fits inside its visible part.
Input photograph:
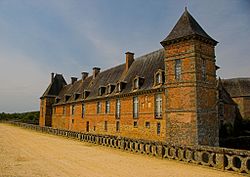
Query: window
(136, 83)
(106, 125)
(72, 109)
(87, 126)
(117, 126)
(66, 97)
(107, 107)
(203, 70)
(120, 85)
(64, 110)
(86, 94)
(98, 107)
(147, 124)
(178, 69)
(158, 105)
(135, 124)
(135, 107)
(73, 121)
(57, 99)
(110, 88)
(158, 78)
(101, 91)
(118, 109)
(76, 96)
(83, 110)
(158, 128)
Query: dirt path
(27, 153)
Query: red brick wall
(191, 101)
(127, 129)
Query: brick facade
(175, 89)
(96, 121)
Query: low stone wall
(216, 157)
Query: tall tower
(191, 84)
(48, 99)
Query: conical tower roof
(187, 26)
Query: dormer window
(58, 99)
(76, 96)
(85, 94)
(66, 97)
(101, 91)
(120, 86)
(137, 83)
(159, 77)
(110, 88)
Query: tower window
(203, 70)
(178, 69)
(158, 105)
(118, 109)
(135, 107)
(98, 107)
(107, 108)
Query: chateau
(170, 95)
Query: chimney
(52, 77)
(84, 75)
(96, 70)
(73, 80)
(129, 59)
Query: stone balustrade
(216, 157)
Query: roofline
(139, 92)
(192, 36)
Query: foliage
(26, 117)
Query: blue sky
(38, 37)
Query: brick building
(170, 95)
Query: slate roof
(223, 94)
(145, 66)
(237, 87)
(186, 26)
(55, 87)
